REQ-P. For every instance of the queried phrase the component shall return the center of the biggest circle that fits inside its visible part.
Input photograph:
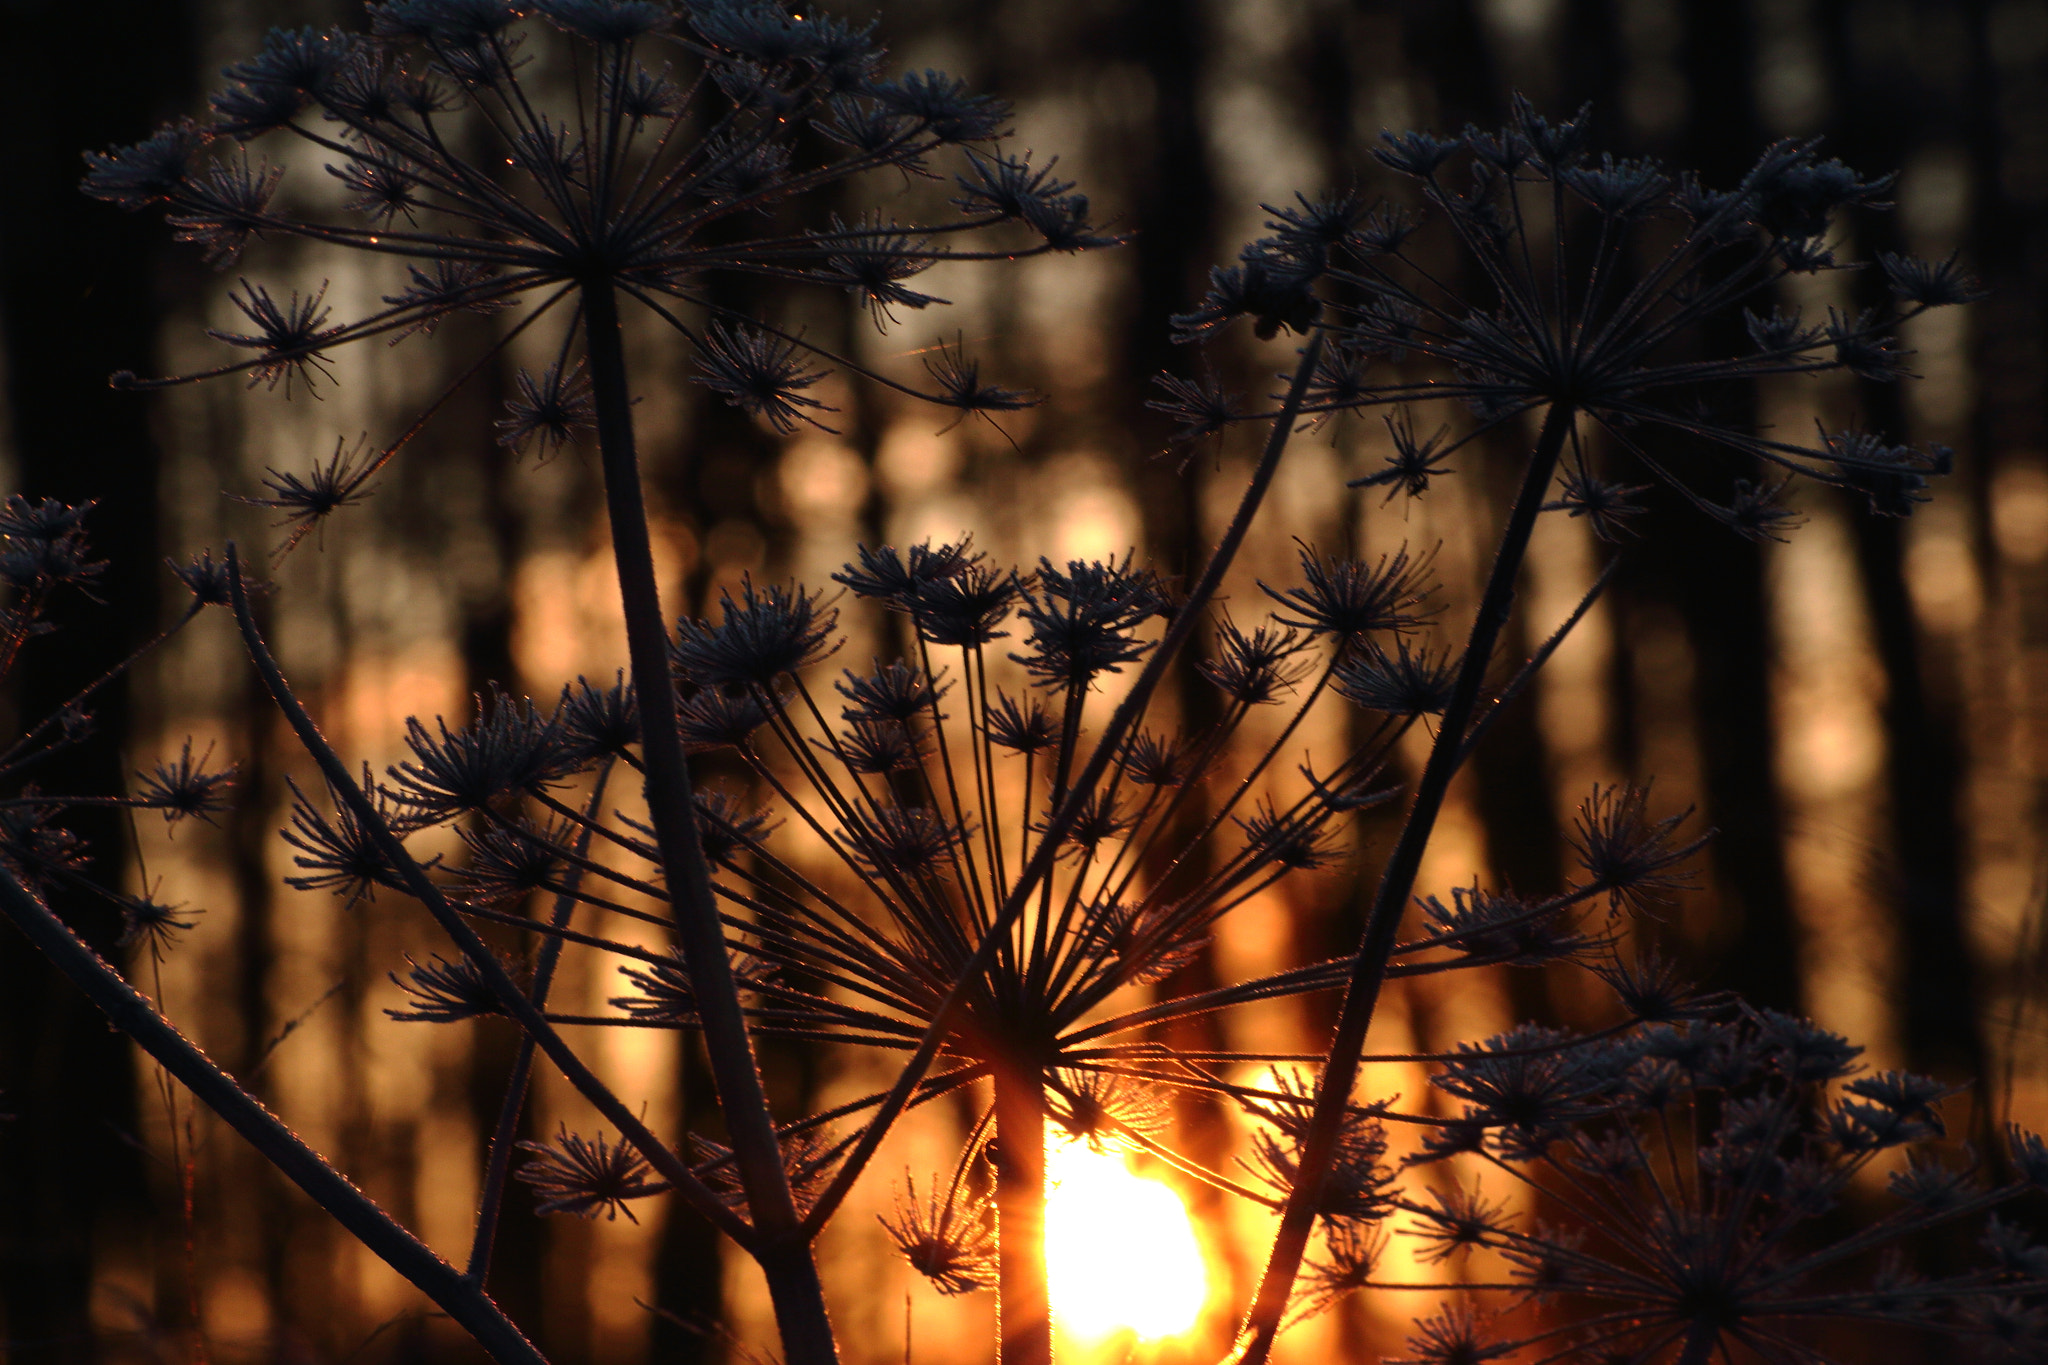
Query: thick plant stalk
(458, 1295)
(781, 1242)
(1025, 1307)
(1397, 883)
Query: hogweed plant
(626, 151)
(1020, 868)
(1583, 291)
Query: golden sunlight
(1120, 1251)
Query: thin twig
(489, 970)
(1369, 968)
(498, 1167)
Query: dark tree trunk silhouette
(79, 298)
(1878, 115)
(1715, 579)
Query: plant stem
(1397, 883)
(415, 882)
(463, 1299)
(1025, 1312)
(782, 1246)
(498, 1168)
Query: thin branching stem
(1397, 883)
(498, 1167)
(459, 1296)
(413, 879)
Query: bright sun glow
(1119, 1248)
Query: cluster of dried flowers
(1018, 870)
(684, 151)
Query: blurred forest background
(1862, 712)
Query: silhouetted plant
(611, 192)
(1015, 887)
(1577, 289)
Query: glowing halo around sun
(1120, 1251)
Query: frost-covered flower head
(932, 793)
(1685, 1176)
(521, 154)
(1583, 283)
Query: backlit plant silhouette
(1578, 289)
(1016, 888)
(678, 124)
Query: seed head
(947, 1241)
(587, 1176)
(182, 788)
(767, 633)
(761, 374)
(1350, 600)
(443, 992)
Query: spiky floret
(1631, 857)
(443, 992)
(342, 855)
(511, 748)
(587, 1176)
(183, 789)
(949, 1241)
(1349, 600)
(766, 633)
(1083, 620)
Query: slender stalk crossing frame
(460, 1296)
(1397, 883)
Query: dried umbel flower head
(516, 155)
(949, 1241)
(146, 920)
(1581, 291)
(1700, 1165)
(443, 992)
(183, 789)
(906, 774)
(1583, 286)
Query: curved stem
(462, 1298)
(1397, 882)
(413, 880)
(781, 1246)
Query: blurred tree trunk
(1174, 192)
(1880, 112)
(1715, 579)
(78, 289)
(1446, 46)
(2006, 244)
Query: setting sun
(1121, 1251)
